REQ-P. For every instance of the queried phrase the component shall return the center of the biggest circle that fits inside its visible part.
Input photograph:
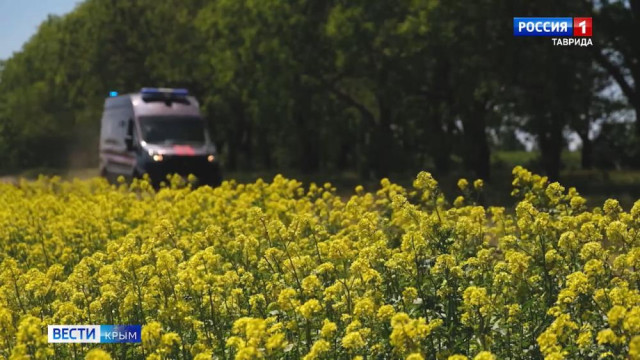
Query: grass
(595, 185)
(599, 185)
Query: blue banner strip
(110, 334)
(542, 26)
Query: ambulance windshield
(169, 130)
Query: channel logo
(553, 26)
(103, 334)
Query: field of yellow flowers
(281, 271)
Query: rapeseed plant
(275, 270)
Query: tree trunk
(265, 149)
(231, 162)
(442, 162)
(636, 108)
(381, 145)
(346, 148)
(238, 135)
(551, 161)
(309, 158)
(440, 124)
(439, 141)
(476, 147)
(247, 146)
(308, 154)
(586, 158)
(551, 143)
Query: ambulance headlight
(155, 156)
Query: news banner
(564, 31)
(103, 334)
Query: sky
(19, 20)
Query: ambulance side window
(134, 131)
(129, 138)
(117, 128)
(110, 133)
(120, 126)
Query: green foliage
(377, 87)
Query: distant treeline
(327, 85)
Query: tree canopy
(375, 86)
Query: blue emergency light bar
(113, 93)
(164, 92)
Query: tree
(379, 52)
(379, 86)
(553, 87)
(616, 25)
(473, 45)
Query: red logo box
(582, 26)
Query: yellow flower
(478, 184)
(548, 342)
(287, 299)
(568, 241)
(611, 207)
(364, 307)
(634, 348)
(276, 342)
(31, 340)
(631, 322)
(577, 202)
(607, 336)
(259, 270)
(309, 308)
(310, 284)
(319, 347)
(615, 315)
(425, 181)
(353, 341)
(555, 356)
(484, 355)
(385, 312)
(463, 184)
(584, 339)
(206, 355)
(97, 354)
(475, 297)
(328, 329)
(554, 192)
(409, 294)
(407, 333)
(248, 353)
(517, 262)
(514, 310)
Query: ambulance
(159, 132)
